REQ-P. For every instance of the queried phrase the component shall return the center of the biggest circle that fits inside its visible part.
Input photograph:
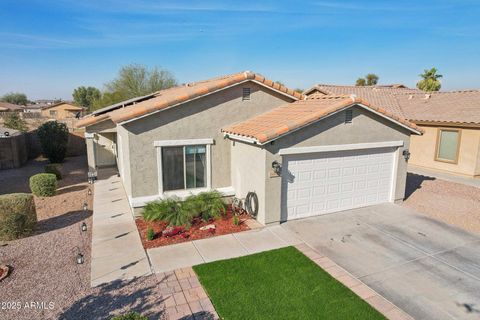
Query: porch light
(85, 206)
(276, 167)
(80, 258)
(84, 227)
(89, 192)
(406, 154)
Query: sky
(50, 47)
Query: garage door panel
(333, 181)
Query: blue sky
(49, 47)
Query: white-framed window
(183, 164)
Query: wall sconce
(89, 192)
(406, 154)
(277, 168)
(84, 227)
(80, 258)
(85, 206)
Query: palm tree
(430, 80)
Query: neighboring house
(242, 133)
(5, 106)
(451, 121)
(62, 111)
(34, 108)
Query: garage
(315, 183)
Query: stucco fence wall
(76, 144)
(257, 160)
(13, 151)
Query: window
(348, 116)
(53, 113)
(183, 164)
(448, 142)
(246, 94)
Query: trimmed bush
(54, 168)
(208, 205)
(53, 137)
(17, 215)
(130, 316)
(43, 184)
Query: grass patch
(279, 284)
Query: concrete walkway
(117, 251)
(233, 245)
(444, 176)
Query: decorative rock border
(5, 271)
(382, 305)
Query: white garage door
(319, 183)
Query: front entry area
(326, 182)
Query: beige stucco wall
(100, 147)
(62, 112)
(365, 127)
(198, 119)
(423, 150)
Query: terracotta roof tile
(169, 97)
(279, 121)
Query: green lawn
(279, 284)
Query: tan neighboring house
(450, 121)
(5, 106)
(62, 111)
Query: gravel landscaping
(450, 202)
(46, 282)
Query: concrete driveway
(429, 269)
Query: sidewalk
(233, 245)
(444, 176)
(117, 251)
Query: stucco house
(450, 120)
(240, 133)
(61, 111)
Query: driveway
(427, 268)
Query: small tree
(14, 121)
(85, 96)
(430, 81)
(15, 98)
(372, 79)
(361, 82)
(53, 137)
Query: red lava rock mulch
(223, 226)
(4, 271)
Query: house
(244, 133)
(450, 120)
(34, 108)
(5, 106)
(61, 111)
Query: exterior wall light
(85, 206)
(84, 227)
(277, 168)
(406, 154)
(89, 192)
(80, 258)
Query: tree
(299, 90)
(430, 80)
(15, 98)
(136, 80)
(14, 121)
(372, 79)
(107, 99)
(53, 137)
(361, 82)
(85, 96)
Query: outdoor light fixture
(276, 167)
(84, 227)
(89, 192)
(80, 258)
(85, 206)
(406, 154)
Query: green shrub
(54, 168)
(150, 234)
(236, 220)
(17, 215)
(53, 137)
(208, 205)
(130, 316)
(171, 210)
(43, 184)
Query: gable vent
(246, 94)
(348, 116)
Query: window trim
(182, 143)
(246, 96)
(437, 145)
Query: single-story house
(450, 120)
(244, 133)
(62, 110)
(5, 106)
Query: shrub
(17, 215)
(54, 168)
(130, 316)
(236, 220)
(14, 121)
(43, 184)
(150, 234)
(207, 205)
(53, 137)
(171, 210)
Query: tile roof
(453, 106)
(287, 118)
(381, 96)
(6, 106)
(180, 94)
